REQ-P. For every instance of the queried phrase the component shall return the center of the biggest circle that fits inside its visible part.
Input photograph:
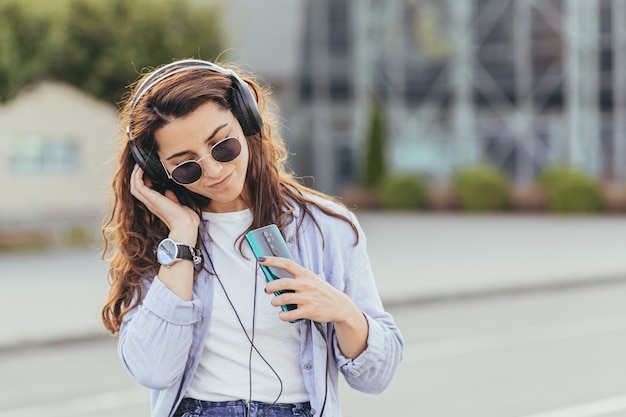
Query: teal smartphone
(267, 241)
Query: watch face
(166, 252)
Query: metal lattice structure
(521, 84)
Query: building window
(340, 88)
(344, 161)
(38, 155)
(306, 88)
(338, 25)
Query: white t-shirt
(224, 370)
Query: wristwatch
(169, 252)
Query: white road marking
(477, 343)
(83, 406)
(591, 409)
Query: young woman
(202, 164)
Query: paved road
(556, 353)
(416, 257)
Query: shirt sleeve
(373, 370)
(156, 336)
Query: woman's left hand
(319, 301)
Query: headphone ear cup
(150, 164)
(246, 109)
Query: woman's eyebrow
(211, 136)
(215, 132)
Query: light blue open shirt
(161, 340)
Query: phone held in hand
(267, 241)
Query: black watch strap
(185, 252)
(188, 253)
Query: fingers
(141, 188)
(312, 295)
(172, 196)
(283, 263)
(315, 298)
(144, 178)
(290, 298)
(166, 207)
(137, 184)
(301, 275)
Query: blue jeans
(197, 408)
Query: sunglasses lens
(226, 150)
(191, 171)
(187, 172)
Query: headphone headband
(247, 108)
(184, 65)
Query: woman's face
(191, 138)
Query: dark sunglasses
(190, 171)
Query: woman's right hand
(181, 220)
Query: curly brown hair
(131, 232)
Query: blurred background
(482, 143)
(472, 105)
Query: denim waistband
(190, 407)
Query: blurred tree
(24, 47)
(99, 46)
(375, 165)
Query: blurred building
(521, 84)
(57, 144)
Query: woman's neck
(237, 204)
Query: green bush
(401, 192)
(481, 188)
(571, 191)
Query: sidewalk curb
(503, 291)
(389, 303)
(86, 337)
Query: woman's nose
(210, 167)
